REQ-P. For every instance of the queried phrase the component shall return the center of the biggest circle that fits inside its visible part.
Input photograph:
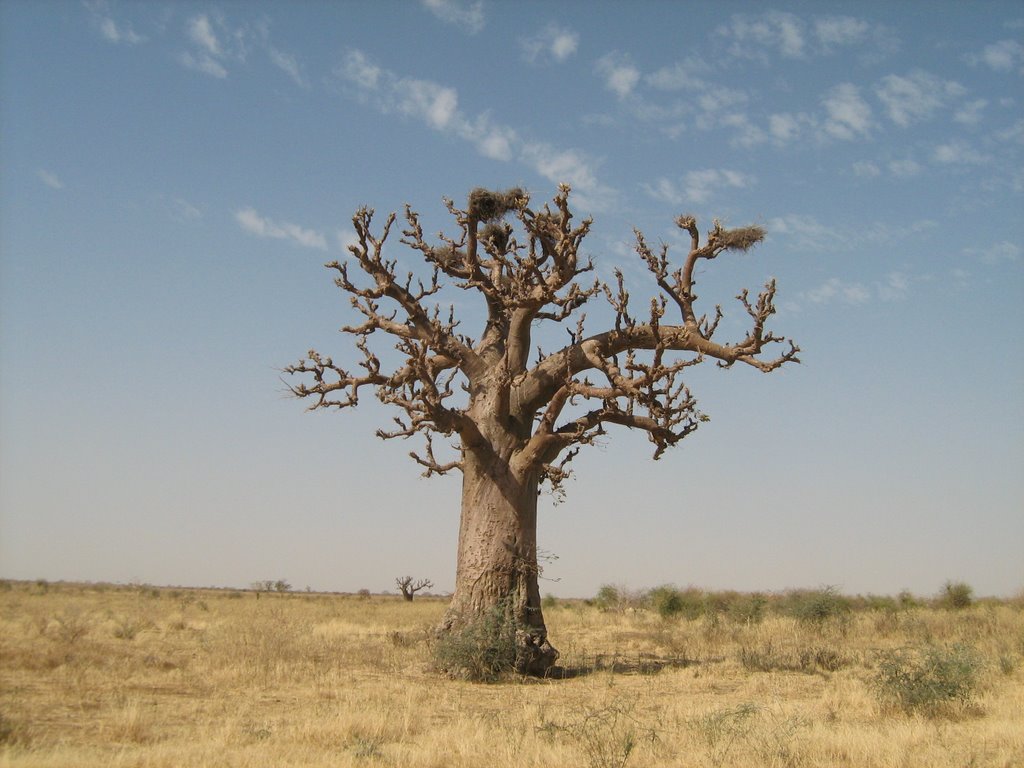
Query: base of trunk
(486, 648)
(534, 654)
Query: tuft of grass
(928, 681)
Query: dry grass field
(137, 676)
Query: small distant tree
(956, 595)
(410, 588)
(514, 414)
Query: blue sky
(174, 175)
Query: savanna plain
(103, 675)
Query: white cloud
(435, 104)
(468, 15)
(746, 134)
(1003, 251)
(699, 186)
(491, 140)
(835, 289)
(560, 165)
(249, 220)
(970, 113)
(849, 116)
(1014, 133)
(665, 190)
(783, 32)
(1002, 56)
(904, 168)
(359, 70)
(437, 107)
(806, 233)
(958, 153)
(207, 55)
(620, 75)
(552, 42)
(183, 210)
(785, 127)
(289, 65)
(832, 31)
(681, 76)
(346, 238)
(866, 170)
(200, 31)
(203, 63)
(894, 288)
(50, 179)
(119, 33)
(916, 96)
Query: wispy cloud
(468, 15)
(915, 96)
(835, 31)
(752, 36)
(182, 210)
(1000, 252)
(698, 186)
(251, 221)
(119, 33)
(50, 179)
(849, 116)
(1001, 56)
(437, 106)
(288, 64)
(685, 75)
(207, 54)
(958, 153)
(116, 32)
(806, 233)
(865, 169)
(904, 168)
(835, 289)
(970, 113)
(784, 34)
(619, 73)
(551, 43)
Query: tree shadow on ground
(620, 664)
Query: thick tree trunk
(497, 559)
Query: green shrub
(549, 601)
(748, 609)
(481, 651)
(926, 681)
(817, 606)
(956, 595)
(609, 598)
(666, 601)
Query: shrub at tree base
(481, 651)
(928, 681)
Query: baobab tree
(516, 417)
(409, 587)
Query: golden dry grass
(143, 677)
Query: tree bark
(497, 557)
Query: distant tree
(956, 595)
(409, 588)
(518, 417)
